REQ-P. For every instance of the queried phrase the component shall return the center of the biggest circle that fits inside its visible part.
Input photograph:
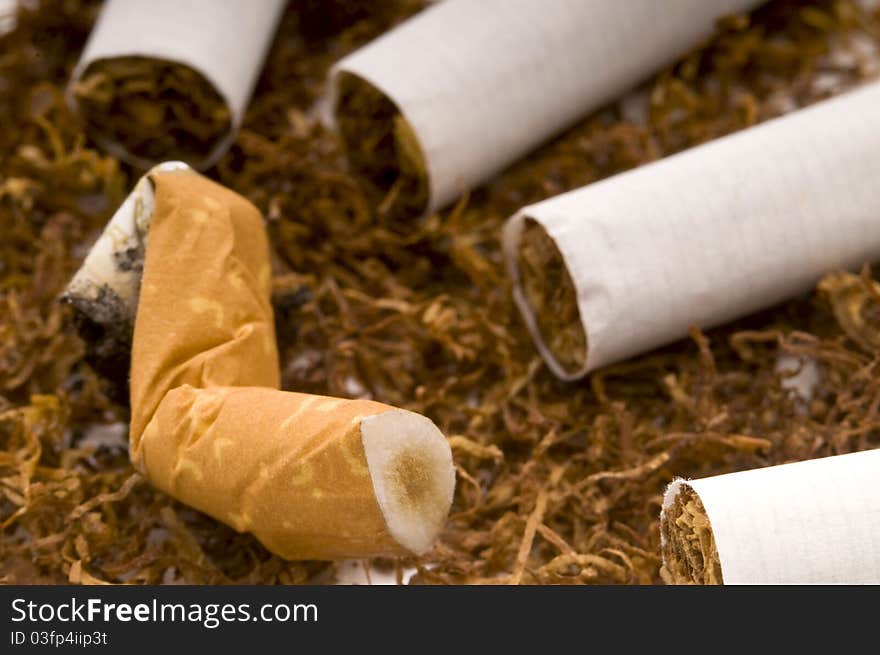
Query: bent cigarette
(630, 263)
(814, 522)
(465, 88)
(157, 81)
(311, 477)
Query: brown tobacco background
(557, 482)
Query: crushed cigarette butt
(311, 477)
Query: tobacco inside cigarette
(690, 555)
(311, 477)
(155, 109)
(855, 301)
(550, 292)
(810, 522)
(104, 291)
(380, 143)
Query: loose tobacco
(380, 144)
(558, 483)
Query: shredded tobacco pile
(154, 109)
(558, 483)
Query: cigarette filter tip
(410, 465)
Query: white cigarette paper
(814, 522)
(483, 82)
(225, 41)
(713, 233)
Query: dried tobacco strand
(381, 145)
(811, 522)
(482, 83)
(153, 109)
(678, 243)
(311, 477)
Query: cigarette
(157, 81)
(455, 94)
(630, 263)
(311, 477)
(814, 522)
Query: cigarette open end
(690, 555)
(413, 477)
(550, 293)
(380, 144)
(146, 110)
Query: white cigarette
(481, 83)
(703, 237)
(814, 522)
(225, 41)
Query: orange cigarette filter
(311, 477)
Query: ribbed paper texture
(483, 81)
(224, 40)
(716, 232)
(814, 522)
